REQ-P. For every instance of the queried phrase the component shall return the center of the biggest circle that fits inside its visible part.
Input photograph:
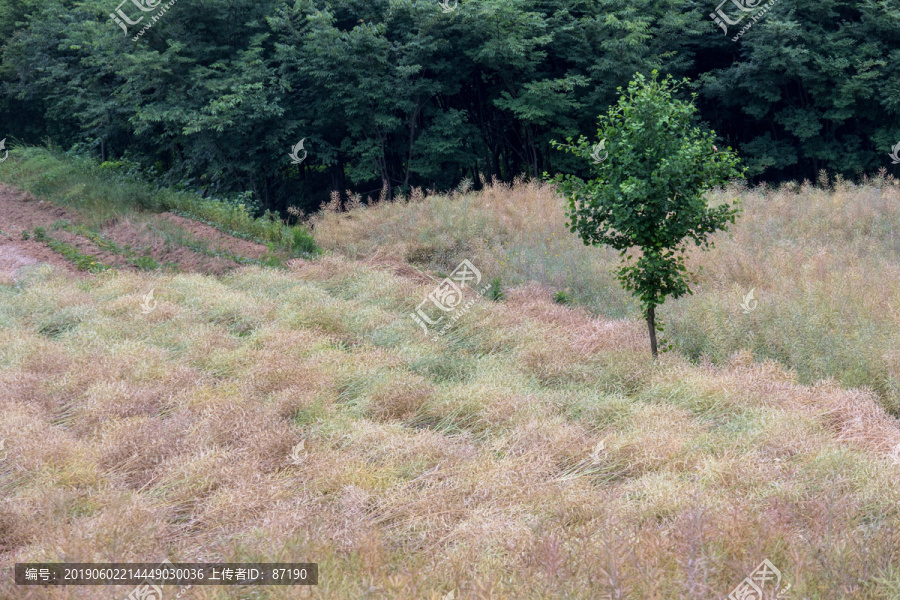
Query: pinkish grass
(533, 452)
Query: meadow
(211, 323)
(821, 259)
(535, 450)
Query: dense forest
(388, 95)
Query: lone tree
(652, 167)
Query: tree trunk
(412, 139)
(651, 323)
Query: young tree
(652, 166)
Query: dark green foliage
(396, 94)
(495, 292)
(814, 85)
(562, 297)
(648, 189)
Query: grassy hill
(298, 413)
(822, 261)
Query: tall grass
(823, 261)
(534, 452)
(517, 232)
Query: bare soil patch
(21, 211)
(140, 236)
(216, 238)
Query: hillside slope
(821, 261)
(532, 451)
(147, 243)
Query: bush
(495, 292)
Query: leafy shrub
(495, 292)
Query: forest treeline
(215, 94)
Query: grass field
(533, 451)
(823, 262)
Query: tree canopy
(403, 93)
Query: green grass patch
(84, 262)
(142, 261)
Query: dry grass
(532, 452)
(823, 261)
